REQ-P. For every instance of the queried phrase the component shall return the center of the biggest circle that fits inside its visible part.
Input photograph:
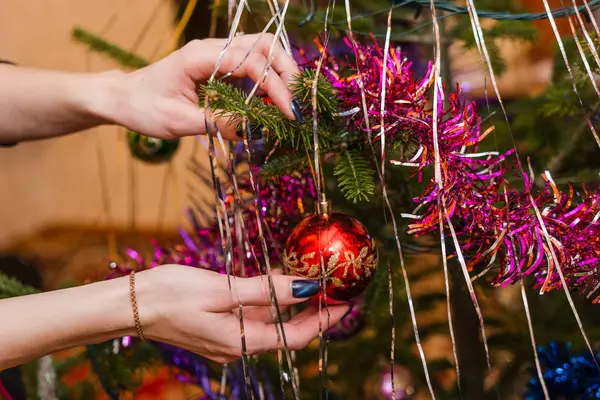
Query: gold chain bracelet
(136, 315)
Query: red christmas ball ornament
(348, 251)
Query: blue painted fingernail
(239, 131)
(297, 112)
(302, 289)
(349, 310)
(255, 131)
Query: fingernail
(297, 112)
(239, 131)
(349, 310)
(304, 288)
(255, 131)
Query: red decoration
(348, 251)
(266, 100)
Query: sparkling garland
(494, 222)
(279, 202)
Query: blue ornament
(567, 376)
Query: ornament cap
(324, 207)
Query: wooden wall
(57, 182)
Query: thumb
(193, 122)
(256, 291)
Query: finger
(193, 122)
(263, 313)
(260, 313)
(201, 58)
(314, 308)
(282, 62)
(262, 338)
(256, 291)
(240, 63)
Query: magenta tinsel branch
(280, 203)
(495, 223)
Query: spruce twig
(227, 100)
(97, 44)
(327, 102)
(283, 164)
(356, 177)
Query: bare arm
(190, 308)
(159, 100)
(38, 104)
(36, 325)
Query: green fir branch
(95, 43)
(11, 287)
(327, 102)
(515, 30)
(283, 165)
(226, 99)
(356, 177)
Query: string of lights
(452, 10)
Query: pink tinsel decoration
(494, 223)
(279, 203)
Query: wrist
(99, 96)
(109, 311)
(149, 302)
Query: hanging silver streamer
(321, 202)
(221, 212)
(384, 78)
(588, 39)
(438, 179)
(46, 379)
(568, 65)
(483, 51)
(279, 18)
(390, 210)
(591, 46)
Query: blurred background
(70, 206)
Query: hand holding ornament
(191, 308)
(194, 309)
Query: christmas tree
(286, 175)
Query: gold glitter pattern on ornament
(352, 263)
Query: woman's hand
(195, 309)
(161, 100)
(187, 307)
